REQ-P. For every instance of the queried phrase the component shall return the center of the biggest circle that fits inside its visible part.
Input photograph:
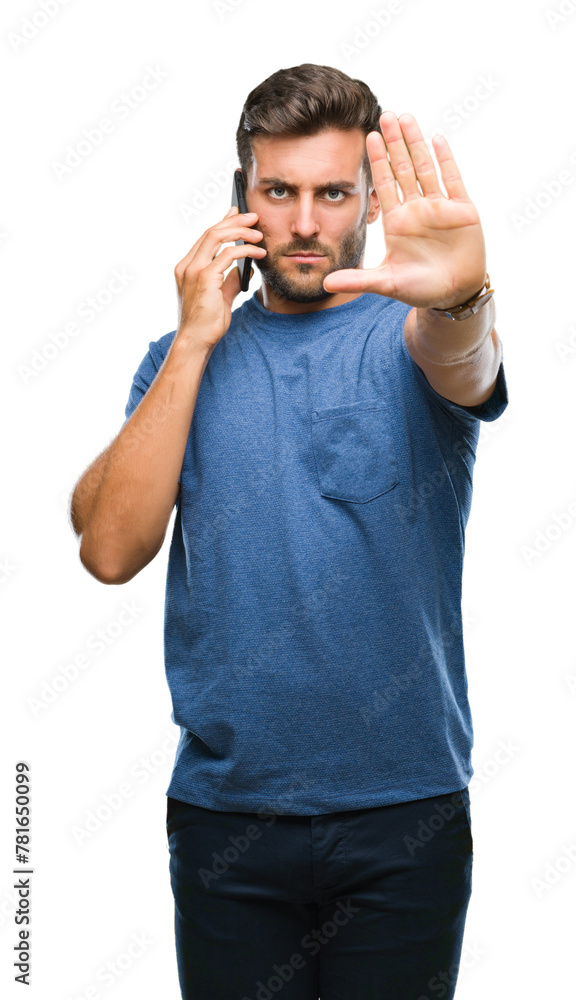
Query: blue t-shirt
(313, 626)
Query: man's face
(311, 196)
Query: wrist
(191, 341)
(467, 307)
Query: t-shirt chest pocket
(354, 450)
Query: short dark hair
(305, 100)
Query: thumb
(348, 280)
(376, 279)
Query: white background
(137, 202)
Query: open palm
(435, 252)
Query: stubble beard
(308, 285)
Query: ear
(374, 206)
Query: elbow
(110, 573)
(102, 572)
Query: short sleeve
(143, 378)
(490, 409)
(146, 373)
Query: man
(319, 444)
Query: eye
(335, 191)
(270, 190)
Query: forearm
(460, 358)
(444, 341)
(122, 505)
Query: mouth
(306, 258)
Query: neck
(277, 303)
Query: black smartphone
(244, 264)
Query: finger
(215, 238)
(450, 174)
(223, 260)
(421, 159)
(232, 285)
(190, 255)
(243, 218)
(384, 180)
(355, 280)
(400, 159)
(247, 219)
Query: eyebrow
(278, 182)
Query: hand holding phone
(244, 264)
(205, 296)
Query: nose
(305, 225)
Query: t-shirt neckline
(333, 316)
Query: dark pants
(367, 904)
